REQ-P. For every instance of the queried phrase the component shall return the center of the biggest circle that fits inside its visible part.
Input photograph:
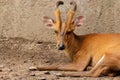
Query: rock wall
(23, 18)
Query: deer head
(64, 30)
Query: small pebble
(1, 70)
(39, 42)
(32, 74)
(25, 61)
(47, 72)
(47, 61)
(58, 74)
(1, 66)
(41, 78)
(32, 68)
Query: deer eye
(68, 32)
(56, 32)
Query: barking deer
(102, 51)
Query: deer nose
(61, 47)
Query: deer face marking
(63, 30)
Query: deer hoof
(32, 68)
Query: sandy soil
(18, 54)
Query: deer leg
(97, 70)
(79, 64)
(67, 67)
(93, 73)
(82, 61)
(43, 68)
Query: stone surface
(24, 18)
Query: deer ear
(48, 21)
(78, 21)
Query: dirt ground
(18, 54)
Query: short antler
(74, 5)
(71, 12)
(59, 3)
(57, 11)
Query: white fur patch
(100, 61)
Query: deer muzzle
(61, 47)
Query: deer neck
(73, 45)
